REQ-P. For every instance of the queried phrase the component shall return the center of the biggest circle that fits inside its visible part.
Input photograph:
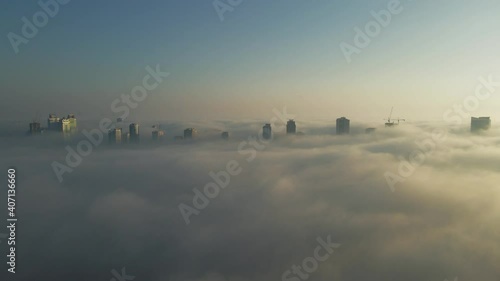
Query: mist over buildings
(120, 206)
(204, 178)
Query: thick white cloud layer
(120, 208)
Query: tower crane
(391, 122)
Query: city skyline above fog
(242, 140)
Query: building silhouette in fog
(54, 123)
(190, 133)
(267, 132)
(115, 136)
(72, 122)
(35, 128)
(343, 125)
(480, 124)
(291, 128)
(65, 124)
(157, 135)
(134, 132)
(225, 135)
(370, 130)
(125, 137)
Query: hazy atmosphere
(250, 140)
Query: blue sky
(264, 54)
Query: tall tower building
(190, 133)
(267, 131)
(68, 124)
(125, 137)
(115, 136)
(35, 128)
(134, 132)
(343, 125)
(291, 128)
(479, 123)
(54, 123)
(72, 122)
(157, 135)
(65, 125)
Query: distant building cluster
(190, 133)
(117, 136)
(342, 128)
(68, 124)
(65, 124)
(158, 135)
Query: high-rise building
(343, 125)
(480, 123)
(267, 131)
(35, 128)
(225, 135)
(134, 132)
(125, 137)
(65, 125)
(72, 122)
(291, 128)
(54, 123)
(190, 133)
(115, 136)
(68, 124)
(158, 134)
